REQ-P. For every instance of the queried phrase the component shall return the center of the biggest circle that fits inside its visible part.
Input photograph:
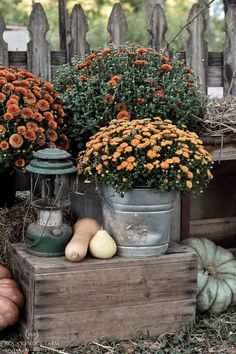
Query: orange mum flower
(176, 159)
(48, 98)
(159, 92)
(151, 154)
(189, 184)
(149, 166)
(21, 90)
(112, 83)
(27, 112)
(16, 141)
(135, 142)
(13, 109)
(7, 88)
(2, 81)
(21, 129)
(4, 145)
(14, 97)
(12, 101)
(131, 159)
(2, 97)
(29, 98)
(165, 59)
(10, 76)
(38, 116)
(20, 163)
(141, 62)
(3, 130)
(41, 140)
(51, 135)
(30, 135)
(48, 85)
(61, 111)
(108, 98)
(43, 105)
(32, 125)
(123, 114)
(8, 116)
(164, 165)
(140, 100)
(52, 124)
(142, 50)
(166, 67)
(48, 115)
(106, 51)
(21, 83)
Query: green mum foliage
(131, 82)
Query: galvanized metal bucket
(140, 221)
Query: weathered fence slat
(196, 51)
(230, 50)
(3, 44)
(117, 25)
(157, 28)
(77, 29)
(38, 53)
(62, 23)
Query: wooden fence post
(62, 23)
(197, 51)
(117, 25)
(77, 29)
(38, 53)
(229, 71)
(157, 28)
(3, 44)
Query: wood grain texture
(76, 32)
(3, 45)
(61, 264)
(115, 287)
(121, 323)
(117, 25)
(197, 51)
(157, 28)
(38, 54)
(230, 50)
(70, 304)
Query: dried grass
(220, 118)
(12, 226)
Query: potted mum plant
(31, 117)
(141, 165)
(130, 82)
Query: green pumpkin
(216, 281)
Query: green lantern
(52, 170)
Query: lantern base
(48, 241)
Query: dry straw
(220, 118)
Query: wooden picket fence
(214, 69)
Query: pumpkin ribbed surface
(216, 282)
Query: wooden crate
(72, 303)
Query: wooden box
(72, 303)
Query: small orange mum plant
(146, 152)
(31, 117)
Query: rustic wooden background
(214, 69)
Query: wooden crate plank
(115, 287)
(60, 264)
(124, 323)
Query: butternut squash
(84, 230)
